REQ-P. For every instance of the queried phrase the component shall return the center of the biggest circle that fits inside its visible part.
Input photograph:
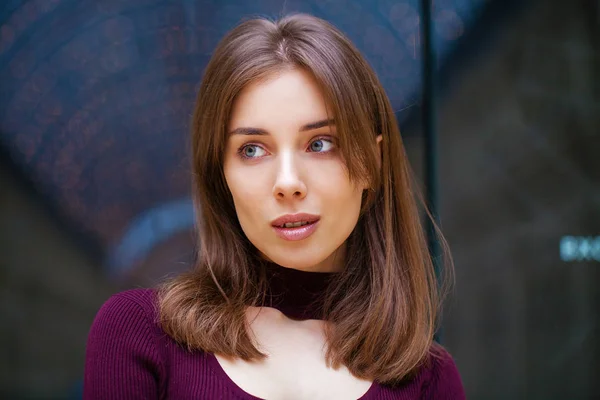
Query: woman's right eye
(252, 151)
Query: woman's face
(291, 190)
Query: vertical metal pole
(429, 133)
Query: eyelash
(327, 138)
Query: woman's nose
(288, 182)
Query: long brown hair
(383, 307)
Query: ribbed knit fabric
(129, 357)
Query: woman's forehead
(289, 98)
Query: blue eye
(252, 151)
(321, 146)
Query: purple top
(129, 357)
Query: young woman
(313, 278)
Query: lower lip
(299, 233)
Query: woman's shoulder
(139, 301)
(124, 343)
(440, 358)
(127, 312)
(441, 377)
(145, 298)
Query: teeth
(294, 224)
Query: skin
(289, 169)
(295, 367)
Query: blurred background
(95, 102)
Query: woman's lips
(284, 229)
(296, 233)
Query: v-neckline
(218, 369)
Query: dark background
(95, 99)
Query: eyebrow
(258, 131)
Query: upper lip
(291, 218)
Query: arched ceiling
(95, 96)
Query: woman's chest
(295, 367)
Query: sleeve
(445, 382)
(122, 359)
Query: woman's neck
(297, 294)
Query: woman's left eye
(320, 146)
